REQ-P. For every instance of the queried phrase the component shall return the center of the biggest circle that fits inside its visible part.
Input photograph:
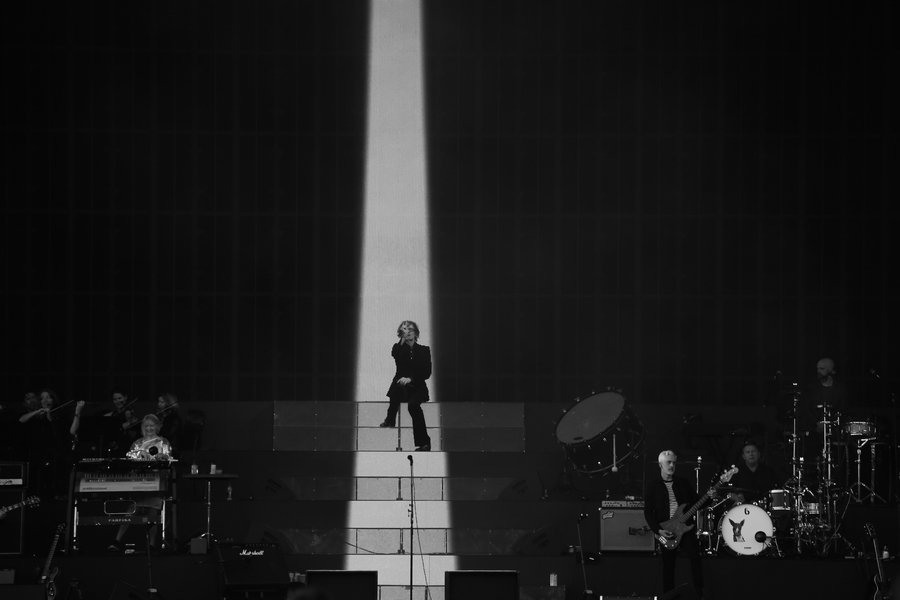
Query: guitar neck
(46, 570)
(6, 509)
(690, 512)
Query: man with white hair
(662, 497)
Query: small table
(209, 478)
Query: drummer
(826, 390)
(754, 480)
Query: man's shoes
(386, 424)
(425, 448)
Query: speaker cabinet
(481, 585)
(252, 567)
(13, 529)
(624, 529)
(358, 585)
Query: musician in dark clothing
(170, 418)
(662, 496)
(753, 477)
(822, 400)
(413, 368)
(48, 437)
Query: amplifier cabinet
(12, 530)
(625, 529)
(252, 567)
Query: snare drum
(739, 528)
(780, 501)
(809, 508)
(600, 432)
(860, 428)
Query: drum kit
(804, 516)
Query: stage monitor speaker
(252, 567)
(359, 585)
(12, 533)
(34, 591)
(481, 585)
(624, 529)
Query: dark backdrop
(676, 198)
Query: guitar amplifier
(625, 529)
(13, 476)
(12, 539)
(252, 567)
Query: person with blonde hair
(662, 497)
(150, 447)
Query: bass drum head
(739, 526)
(600, 433)
(589, 418)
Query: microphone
(872, 371)
(409, 456)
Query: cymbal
(698, 462)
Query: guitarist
(662, 496)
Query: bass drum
(600, 433)
(739, 528)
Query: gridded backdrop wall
(674, 198)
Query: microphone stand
(412, 508)
(587, 592)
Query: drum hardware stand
(859, 485)
(825, 487)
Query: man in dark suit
(663, 495)
(409, 384)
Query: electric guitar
(677, 523)
(47, 576)
(882, 588)
(32, 501)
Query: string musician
(149, 447)
(47, 434)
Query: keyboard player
(150, 446)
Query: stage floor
(196, 577)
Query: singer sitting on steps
(409, 384)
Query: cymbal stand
(826, 484)
(796, 471)
(859, 486)
(872, 494)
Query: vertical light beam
(395, 286)
(395, 282)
